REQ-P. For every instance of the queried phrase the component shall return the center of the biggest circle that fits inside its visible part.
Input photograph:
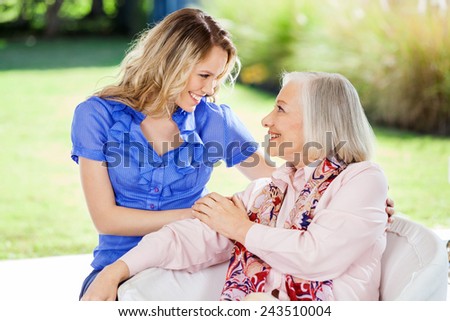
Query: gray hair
(333, 117)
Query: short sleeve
(239, 143)
(90, 125)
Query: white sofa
(415, 264)
(415, 267)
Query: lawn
(42, 210)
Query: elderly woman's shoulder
(367, 170)
(365, 165)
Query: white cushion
(414, 264)
(166, 285)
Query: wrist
(117, 272)
(242, 230)
(186, 213)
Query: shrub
(396, 53)
(401, 62)
(267, 36)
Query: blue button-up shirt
(110, 131)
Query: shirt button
(156, 189)
(152, 206)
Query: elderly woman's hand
(224, 215)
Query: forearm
(185, 245)
(119, 220)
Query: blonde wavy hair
(157, 67)
(333, 117)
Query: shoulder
(367, 173)
(94, 107)
(104, 111)
(364, 168)
(211, 109)
(211, 115)
(361, 189)
(219, 115)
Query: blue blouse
(110, 131)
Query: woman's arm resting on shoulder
(109, 218)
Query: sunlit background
(53, 54)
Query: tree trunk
(96, 9)
(52, 19)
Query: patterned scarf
(247, 273)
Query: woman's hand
(224, 215)
(105, 285)
(390, 210)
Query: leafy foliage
(396, 53)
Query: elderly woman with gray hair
(315, 230)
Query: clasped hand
(225, 215)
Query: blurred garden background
(55, 53)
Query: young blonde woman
(315, 230)
(146, 145)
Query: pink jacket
(344, 242)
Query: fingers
(211, 201)
(238, 202)
(217, 197)
(202, 217)
(390, 202)
(205, 202)
(199, 215)
(390, 211)
(201, 208)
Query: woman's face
(285, 125)
(203, 79)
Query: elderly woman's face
(285, 125)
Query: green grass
(42, 209)
(418, 170)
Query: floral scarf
(248, 273)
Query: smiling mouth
(195, 97)
(273, 136)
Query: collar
(186, 124)
(288, 175)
